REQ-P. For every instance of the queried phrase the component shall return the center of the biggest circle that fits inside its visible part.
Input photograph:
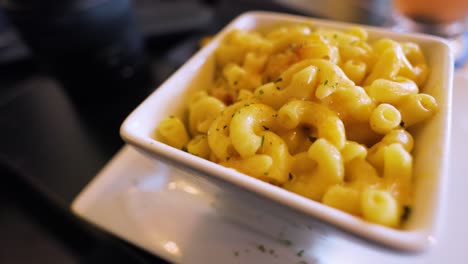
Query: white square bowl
(431, 153)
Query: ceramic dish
(141, 201)
(431, 153)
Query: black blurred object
(12, 48)
(37, 229)
(371, 12)
(158, 18)
(95, 49)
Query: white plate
(430, 154)
(148, 204)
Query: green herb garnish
(286, 242)
(406, 213)
(261, 248)
(300, 253)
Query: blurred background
(70, 72)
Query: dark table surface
(52, 145)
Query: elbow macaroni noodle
(321, 113)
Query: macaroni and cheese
(321, 113)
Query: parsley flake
(406, 213)
(286, 242)
(266, 128)
(261, 248)
(278, 80)
(300, 253)
(261, 91)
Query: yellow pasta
(376, 153)
(355, 70)
(314, 115)
(255, 166)
(202, 113)
(328, 171)
(353, 150)
(172, 132)
(322, 113)
(199, 146)
(392, 91)
(298, 140)
(380, 207)
(384, 118)
(301, 86)
(417, 108)
(344, 198)
(360, 175)
(218, 134)
(246, 123)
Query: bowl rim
(405, 240)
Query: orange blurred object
(432, 11)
